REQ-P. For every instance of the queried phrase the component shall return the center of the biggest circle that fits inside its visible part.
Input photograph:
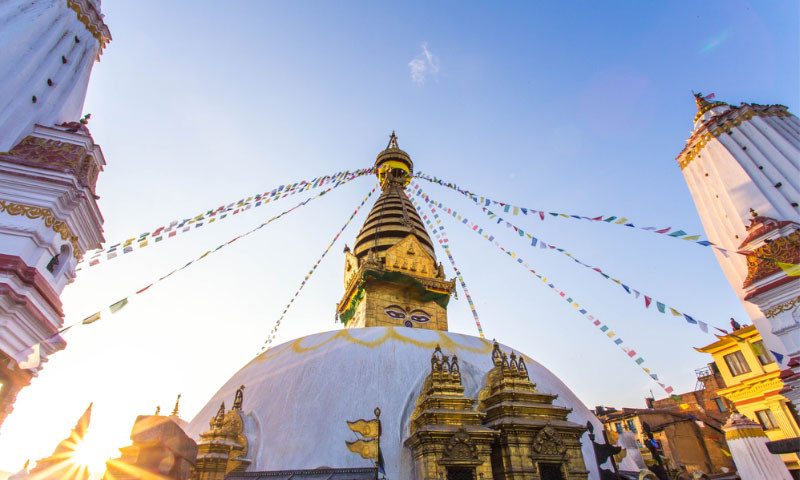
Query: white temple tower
(742, 165)
(49, 165)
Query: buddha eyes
(420, 316)
(397, 312)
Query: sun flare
(91, 454)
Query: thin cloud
(423, 65)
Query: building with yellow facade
(753, 384)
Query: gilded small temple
(447, 405)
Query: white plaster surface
(299, 394)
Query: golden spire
(703, 105)
(393, 217)
(177, 406)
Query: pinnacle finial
(392, 141)
(219, 417)
(85, 119)
(177, 406)
(753, 213)
(239, 398)
(158, 410)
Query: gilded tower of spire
(392, 277)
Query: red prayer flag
(665, 230)
(647, 301)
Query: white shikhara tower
(49, 165)
(742, 165)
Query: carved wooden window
(766, 419)
(551, 471)
(460, 473)
(736, 363)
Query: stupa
(450, 405)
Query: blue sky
(578, 107)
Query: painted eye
(395, 311)
(420, 316)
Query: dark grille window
(550, 471)
(456, 473)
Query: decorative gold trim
(742, 433)
(50, 221)
(784, 307)
(93, 21)
(391, 333)
(690, 152)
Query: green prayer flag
(116, 307)
(661, 307)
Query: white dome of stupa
(300, 394)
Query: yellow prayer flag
(790, 269)
(610, 334)
(366, 448)
(91, 319)
(693, 237)
(365, 428)
(675, 312)
(516, 210)
(647, 370)
(212, 220)
(621, 221)
(204, 255)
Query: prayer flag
(703, 326)
(689, 319)
(647, 301)
(664, 230)
(116, 307)
(675, 312)
(678, 233)
(661, 307)
(639, 361)
(789, 269)
(91, 319)
(777, 356)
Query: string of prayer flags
(119, 305)
(218, 214)
(444, 241)
(274, 330)
(660, 306)
(638, 359)
(516, 210)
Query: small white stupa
(748, 444)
